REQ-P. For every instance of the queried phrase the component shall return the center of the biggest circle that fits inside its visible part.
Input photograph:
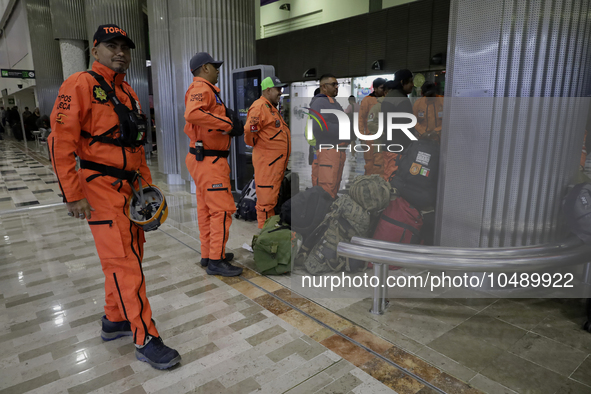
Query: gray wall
(516, 104)
(46, 54)
(178, 30)
(406, 36)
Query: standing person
(210, 127)
(84, 123)
(14, 119)
(26, 113)
(331, 162)
(429, 113)
(366, 104)
(268, 134)
(312, 154)
(397, 101)
(2, 119)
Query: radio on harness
(133, 125)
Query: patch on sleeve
(197, 97)
(217, 185)
(60, 118)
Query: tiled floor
(249, 334)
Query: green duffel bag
(272, 247)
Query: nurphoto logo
(345, 130)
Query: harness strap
(115, 172)
(208, 152)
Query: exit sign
(24, 74)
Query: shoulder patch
(60, 118)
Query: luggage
(290, 186)
(305, 211)
(577, 211)
(246, 206)
(416, 177)
(272, 247)
(319, 251)
(372, 192)
(400, 222)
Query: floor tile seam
(570, 376)
(502, 385)
(530, 331)
(354, 342)
(30, 208)
(311, 377)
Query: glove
(237, 124)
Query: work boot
(157, 354)
(223, 268)
(113, 330)
(229, 257)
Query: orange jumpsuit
(82, 107)
(268, 133)
(369, 156)
(429, 114)
(205, 114)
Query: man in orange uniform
(268, 133)
(429, 112)
(366, 104)
(84, 123)
(210, 126)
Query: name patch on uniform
(423, 158)
(197, 97)
(217, 185)
(99, 94)
(421, 114)
(60, 118)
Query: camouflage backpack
(372, 192)
(345, 220)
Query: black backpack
(577, 211)
(416, 177)
(305, 211)
(290, 186)
(246, 206)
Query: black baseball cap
(106, 33)
(202, 58)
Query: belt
(208, 152)
(108, 170)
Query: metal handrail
(570, 243)
(529, 258)
(481, 263)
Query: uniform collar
(200, 79)
(268, 102)
(107, 73)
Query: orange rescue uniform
(366, 104)
(205, 114)
(429, 114)
(268, 133)
(82, 110)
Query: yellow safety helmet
(147, 207)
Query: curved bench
(570, 252)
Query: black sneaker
(113, 330)
(223, 268)
(205, 262)
(157, 354)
